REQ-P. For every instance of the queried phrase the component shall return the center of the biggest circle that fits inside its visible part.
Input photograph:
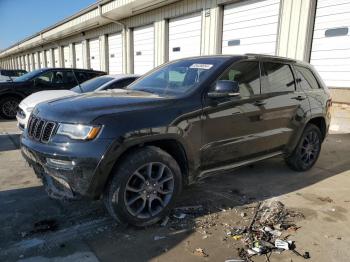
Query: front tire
(143, 187)
(9, 107)
(307, 151)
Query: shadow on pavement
(9, 142)
(237, 190)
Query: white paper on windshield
(201, 66)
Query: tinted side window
(247, 74)
(279, 78)
(81, 76)
(122, 84)
(306, 78)
(45, 78)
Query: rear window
(278, 78)
(92, 84)
(306, 78)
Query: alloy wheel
(149, 190)
(9, 108)
(310, 148)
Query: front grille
(40, 129)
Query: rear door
(231, 126)
(281, 105)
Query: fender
(296, 138)
(121, 145)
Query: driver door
(231, 125)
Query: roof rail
(271, 56)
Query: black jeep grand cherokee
(137, 147)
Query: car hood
(84, 108)
(43, 96)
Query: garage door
(56, 57)
(48, 58)
(251, 27)
(331, 42)
(31, 62)
(42, 59)
(143, 49)
(115, 55)
(66, 57)
(94, 50)
(185, 36)
(36, 61)
(78, 49)
(23, 63)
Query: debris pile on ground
(267, 232)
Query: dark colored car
(11, 74)
(185, 120)
(11, 93)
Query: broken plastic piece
(283, 244)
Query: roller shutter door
(31, 62)
(36, 61)
(115, 55)
(66, 57)
(185, 36)
(251, 27)
(94, 51)
(48, 58)
(23, 63)
(78, 49)
(56, 57)
(143, 49)
(331, 42)
(42, 59)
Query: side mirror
(225, 88)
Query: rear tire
(9, 107)
(307, 151)
(143, 187)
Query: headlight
(81, 132)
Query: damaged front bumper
(67, 170)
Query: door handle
(259, 103)
(299, 98)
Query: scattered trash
(158, 238)
(237, 237)
(281, 244)
(326, 199)
(165, 221)
(267, 230)
(243, 214)
(234, 260)
(200, 252)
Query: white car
(96, 84)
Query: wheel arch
(117, 152)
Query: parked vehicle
(11, 93)
(96, 84)
(179, 123)
(10, 75)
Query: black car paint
(209, 133)
(25, 88)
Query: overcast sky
(22, 18)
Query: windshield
(92, 84)
(28, 76)
(178, 78)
